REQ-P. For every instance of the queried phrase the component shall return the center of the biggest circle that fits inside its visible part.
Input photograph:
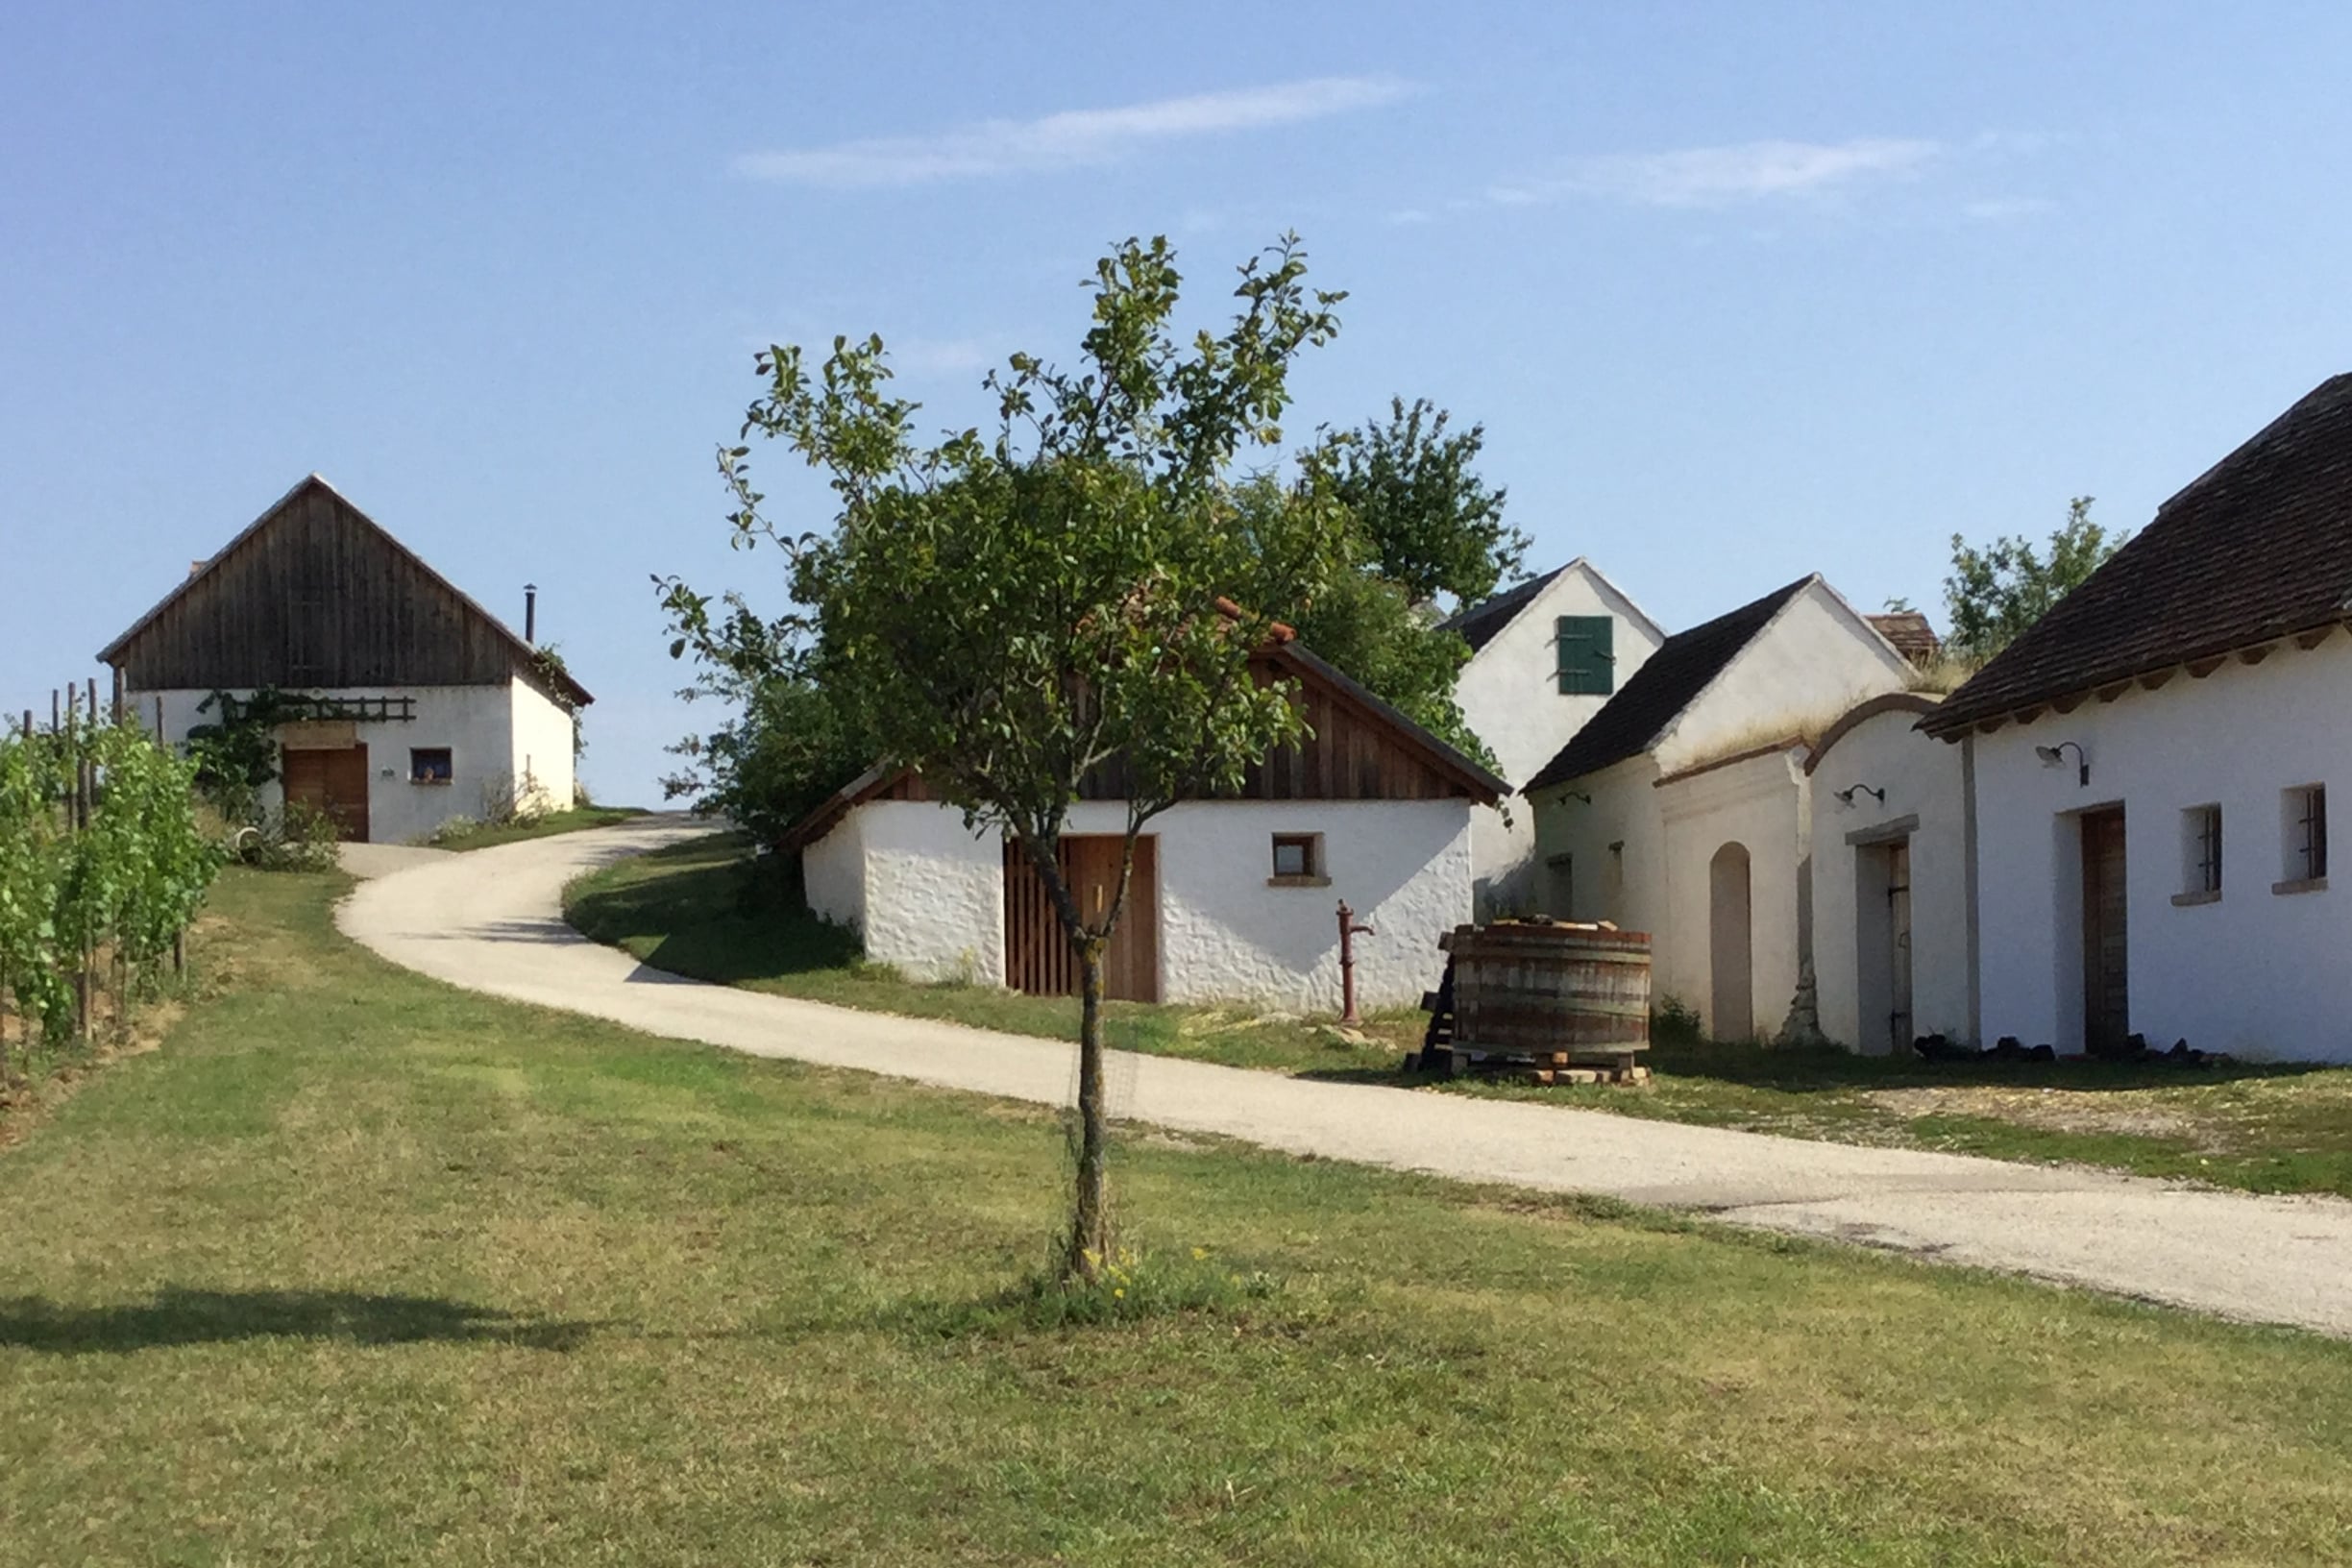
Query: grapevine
(126, 875)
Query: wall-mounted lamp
(1848, 794)
(2053, 756)
(1567, 796)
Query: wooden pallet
(1560, 1067)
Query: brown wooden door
(1038, 957)
(2106, 945)
(334, 782)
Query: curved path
(490, 920)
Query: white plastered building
(2153, 762)
(1233, 900)
(406, 703)
(1545, 657)
(1683, 808)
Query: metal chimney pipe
(530, 613)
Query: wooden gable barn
(413, 703)
(1232, 899)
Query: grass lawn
(691, 909)
(473, 835)
(361, 1268)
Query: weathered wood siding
(1351, 753)
(318, 596)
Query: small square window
(430, 765)
(2201, 850)
(1298, 857)
(2305, 819)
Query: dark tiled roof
(1480, 623)
(1910, 633)
(1631, 722)
(2257, 547)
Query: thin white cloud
(1074, 138)
(1718, 177)
(1404, 217)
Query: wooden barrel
(1536, 989)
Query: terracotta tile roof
(1910, 633)
(1482, 621)
(2259, 547)
(1667, 682)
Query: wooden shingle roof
(315, 593)
(2257, 547)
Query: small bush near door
(300, 838)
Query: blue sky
(1740, 292)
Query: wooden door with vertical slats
(2106, 945)
(1038, 956)
(334, 782)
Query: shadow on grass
(179, 1316)
(722, 918)
(1833, 1071)
(1830, 1070)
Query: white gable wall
(1816, 659)
(1922, 780)
(2256, 974)
(1509, 694)
(543, 745)
(477, 724)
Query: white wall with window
(457, 754)
(2234, 939)
(1528, 692)
(1236, 921)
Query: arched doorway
(1730, 955)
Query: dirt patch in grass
(2060, 1110)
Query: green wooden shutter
(1587, 656)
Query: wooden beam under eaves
(2108, 693)
(2154, 680)
(2202, 668)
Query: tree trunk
(1089, 1240)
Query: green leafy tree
(788, 738)
(1996, 592)
(1365, 626)
(1084, 589)
(1426, 520)
(1421, 524)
